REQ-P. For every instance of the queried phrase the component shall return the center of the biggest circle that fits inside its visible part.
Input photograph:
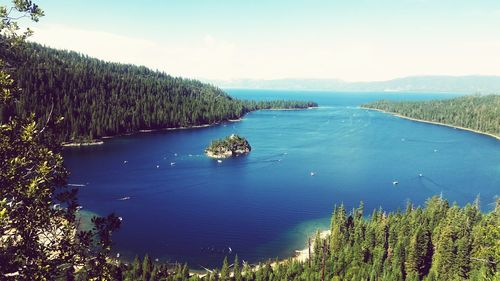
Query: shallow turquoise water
(264, 205)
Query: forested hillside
(480, 113)
(437, 242)
(98, 98)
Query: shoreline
(300, 255)
(290, 109)
(100, 141)
(78, 144)
(434, 122)
(303, 254)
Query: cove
(182, 206)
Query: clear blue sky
(352, 40)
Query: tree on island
(232, 145)
(39, 239)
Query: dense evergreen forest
(98, 98)
(480, 113)
(437, 242)
(39, 239)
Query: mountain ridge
(97, 98)
(423, 83)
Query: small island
(232, 145)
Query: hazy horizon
(223, 40)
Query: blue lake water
(186, 207)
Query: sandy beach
(300, 256)
(303, 255)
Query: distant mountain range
(452, 84)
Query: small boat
(79, 207)
(175, 154)
(420, 175)
(120, 218)
(395, 182)
(172, 163)
(435, 150)
(312, 174)
(124, 198)
(230, 250)
(117, 255)
(219, 161)
(157, 166)
(125, 162)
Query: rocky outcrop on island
(232, 145)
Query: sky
(352, 40)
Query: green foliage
(420, 252)
(98, 98)
(234, 144)
(35, 232)
(237, 270)
(39, 236)
(224, 272)
(9, 17)
(436, 242)
(480, 113)
(147, 268)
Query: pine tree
(185, 271)
(137, 268)
(147, 268)
(445, 258)
(248, 273)
(99, 98)
(463, 256)
(419, 256)
(224, 272)
(236, 269)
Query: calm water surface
(186, 207)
